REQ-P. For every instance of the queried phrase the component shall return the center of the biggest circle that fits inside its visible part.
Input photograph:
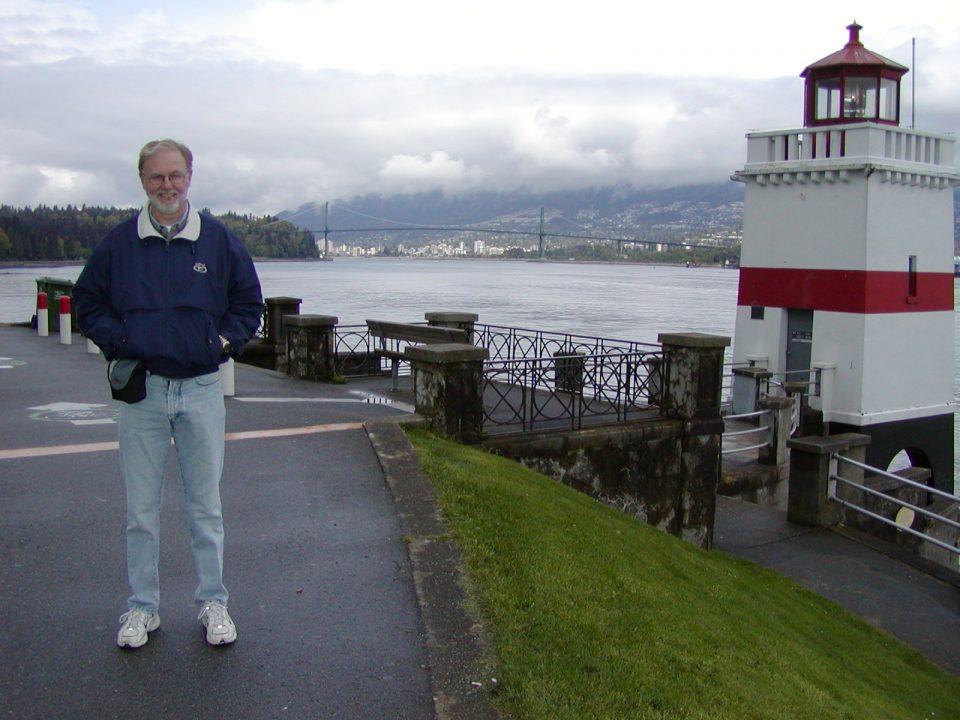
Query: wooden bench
(391, 334)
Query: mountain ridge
(654, 214)
(648, 212)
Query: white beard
(167, 208)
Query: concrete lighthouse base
(928, 441)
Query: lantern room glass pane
(860, 97)
(889, 102)
(827, 98)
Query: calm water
(633, 302)
(630, 302)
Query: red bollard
(66, 332)
(43, 315)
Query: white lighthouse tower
(847, 262)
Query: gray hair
(166, 144)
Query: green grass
(595, 615)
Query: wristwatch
(225, 345)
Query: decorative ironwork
(261, 331)
(539, 379)
(354, 351)
(510, 343)
(569, 389)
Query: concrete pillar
(810, 468)
(277, 307)
(448, 388)
(747, 382)
(826, 373)
(693, 376)
(275, 333)
(310, 346)
(692, 387)
(458, 320)
(799, 390)
(778, 421)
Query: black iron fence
(510, 343)
(354, 351)
(569, 390)
(536, 378)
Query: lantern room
(852, 85)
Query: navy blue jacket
(167, 304)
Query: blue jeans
(192, 413)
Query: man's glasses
(156, 179)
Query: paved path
(852, 570)
(321, 586)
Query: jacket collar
(190, 231)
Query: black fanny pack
(128, 380)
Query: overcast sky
(290, 102)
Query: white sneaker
(215, 618)
(134, 626)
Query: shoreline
(445, 258)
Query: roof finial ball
(852, 85)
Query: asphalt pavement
(344, 583)
(320, 582)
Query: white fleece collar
(190, 231)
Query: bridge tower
(847, 262)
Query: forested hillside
(70, 233)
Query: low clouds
(269, 137)
(438, 171)
(78, 97)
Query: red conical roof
(854, 53)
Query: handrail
(751, 431)
(896, 501)
(742, 416)
(909, 531)
(900, 478)
(832, 495)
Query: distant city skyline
(292, 102)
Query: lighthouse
(846, 279)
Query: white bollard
(43, 315)
(92, 347)
(227, 378)
(66, 332)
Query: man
(179, 292)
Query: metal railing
(764, 431)
(354, 351)
(512, 343)
(353, 346)
(566, 391)
(538, 379)
(836, 479)
(811, 379)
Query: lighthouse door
(799, 343)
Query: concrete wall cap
(281, 300)
(693, 340)
(311, 320)
(775, 403)
(854, 439)
(819, 445)
(446, 353)
(450, 317)
(754, 372)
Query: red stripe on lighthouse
(851, 291)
